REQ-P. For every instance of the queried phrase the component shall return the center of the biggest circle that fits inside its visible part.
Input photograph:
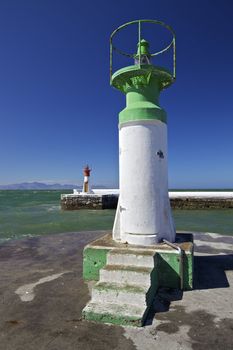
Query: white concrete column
(144, 214)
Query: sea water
(31, 213)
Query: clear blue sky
(58, 111)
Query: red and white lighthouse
(86, 180)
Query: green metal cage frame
(140, 21)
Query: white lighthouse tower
(143, 215)
(129, 275)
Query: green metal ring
(172, 43)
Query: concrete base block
(129, 277)
(167, 259)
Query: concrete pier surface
(43, 294)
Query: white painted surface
(77, 193)
(201, 194)
(145, 214)
(106, 191)
(116, 230)
(95, 191)
(172, 194)
(86, 180)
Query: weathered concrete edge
(120, 320)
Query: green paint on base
(167, 264)
(118, 319)
(94, 259)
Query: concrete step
(128, 257)
(116, 293)
(130, 275)
(123, 314)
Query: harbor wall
(201, 203)
(89, 201)
(109, 201)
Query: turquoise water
(32, 213)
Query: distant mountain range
(42, 186)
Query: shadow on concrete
(162, 301)
(209, 271)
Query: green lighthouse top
(142, 59)
(142, 73)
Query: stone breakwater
(89, 201)
(178, 201)
(201, 203)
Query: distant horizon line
(71, 186)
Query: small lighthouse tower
(86, 180)
(143, 215)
